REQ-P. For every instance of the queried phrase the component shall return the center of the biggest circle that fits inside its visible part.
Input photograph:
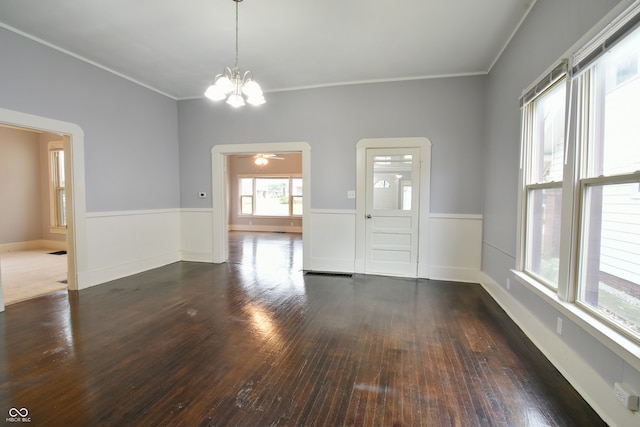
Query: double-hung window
(57, 197)
(579, 233)
(270, 195)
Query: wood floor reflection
(258, 343)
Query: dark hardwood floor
(254, 342)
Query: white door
(392, 208)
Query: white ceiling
(177, 46)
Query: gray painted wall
(332, 120)
(551, 29)
(131, 155)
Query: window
(246, 196)
(296, 196)
(58, 222)
(544, 130)
(609, 161)
(270, 196)
(580, 180)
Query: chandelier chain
(237, 1)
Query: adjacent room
(33, 257)
(317, 213)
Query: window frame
(56, 211)
(575, 184)
(557, 76)
(253, 178)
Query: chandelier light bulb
(251, 89)
(215, 93)
(258, 100)
(235, 100)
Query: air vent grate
(327, 274)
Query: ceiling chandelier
(233, 86)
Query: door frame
(73, 137)
(220, 199)
(424, 144)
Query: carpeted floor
(31, 273)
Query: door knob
(368, 216)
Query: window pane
(296, 186)
(391, 176)
(547, 149)
(297, 205)
(246, 186)
(609, 268)
(614, 147)
(406, 195)
(59, 167)
(246, 205)
(59, 218)
(543, 233)
(61, 209)
(272, 196)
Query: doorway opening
(295, 202)
(71, 139)
(33, 247)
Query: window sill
(611, 338)
(58, 230)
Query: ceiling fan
(263, 158)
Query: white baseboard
(266, 228)
(194, 256)
(454, 274)
(591, 386)
(333, 265)
(34, 244)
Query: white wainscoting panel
(455, 244)
(120, 244)
(455, 247)
(197, 235)
(333, 235)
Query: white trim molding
(73, 137)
